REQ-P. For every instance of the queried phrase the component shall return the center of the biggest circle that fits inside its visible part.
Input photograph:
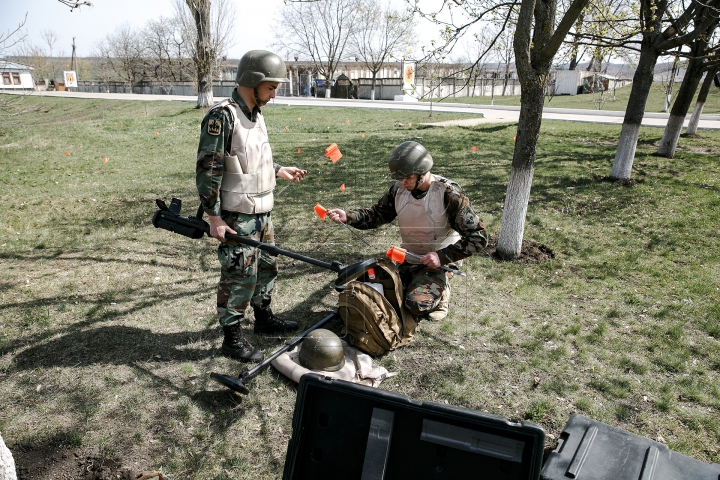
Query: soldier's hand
(337, 215)
(218, 228)
(291, 174)
(431, 260)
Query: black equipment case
(590, 450)
(346, 431)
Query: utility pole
(72, 59)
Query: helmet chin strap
(415, 190)
(258, 102)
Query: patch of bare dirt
(625, 182)
(50, 461)
(531, 253)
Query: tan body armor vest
(249, 175)
(424, 226)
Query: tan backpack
(372, 322)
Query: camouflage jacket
(460, 213)
(211, 152)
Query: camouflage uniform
(424, 286)
(246, 272)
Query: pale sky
(89, 25)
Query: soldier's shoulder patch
(214, 126)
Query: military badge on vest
(214, 126)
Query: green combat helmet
(258, 66)
(409, 158)
(322, 350)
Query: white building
(573, 82)
(15, 76)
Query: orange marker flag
(333, 152)
(342, 187)
(474, 148)
(299, 151)
(396, 254)
(320, 211)
(157, 134)
(67, 154)
(105, 159)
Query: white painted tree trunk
(327, 92)
(205, 99)
(622, 167)
(695, 118)
(372, 94)
(512, 226)
(670, 137)
(7, 464)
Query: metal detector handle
(417, 257)
(260, 366)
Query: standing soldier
(436, 222)
(235, 177)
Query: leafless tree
(167, 59)
(11, 105)
(207, 29)
(383, 33)
(123, 52)
(319, 30)
(50, 38)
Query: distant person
(235, 177)
(436, 222)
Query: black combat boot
(235, 346)
(266, 321)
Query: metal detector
(237, 384)
(169, 218)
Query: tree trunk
(7, 464)
(642, 81)
(671, 84)
(670, 137)
(700, 104)
(204, 54)
(517, 195)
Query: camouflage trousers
(423, 287)
(245, 271)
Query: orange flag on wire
(320, 211)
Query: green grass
(617, 102)
(107, 332)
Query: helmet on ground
(258, 66)
(409, 158)
(322, 350)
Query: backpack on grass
(373, 322)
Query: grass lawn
(618, 101)
(107, 328)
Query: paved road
(490, 114)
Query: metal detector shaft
(194, 228)
(262, 365)
(237, 384)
